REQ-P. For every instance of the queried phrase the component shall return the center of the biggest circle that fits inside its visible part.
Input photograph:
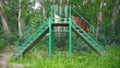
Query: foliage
(1, 43)
(113, 35)
(88, 10)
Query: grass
(78, 60)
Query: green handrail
(90, 36)
(91, 26)
(29, 27)
(36, 31)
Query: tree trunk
(4, 19)
(114, 13)
(99, 21)
(4, 23)
(66, 9)
(60, 9)
(43, 10)
(19, 19)
(85, 2)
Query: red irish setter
(81, 23)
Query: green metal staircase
(32, 39)
(44, 25)
(89, 40)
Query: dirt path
(4, 55)
(3, 60)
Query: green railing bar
(105, 37)
(60, 31)
(61, 18)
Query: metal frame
(51, 31)
(31, 37)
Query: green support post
(50, 38)
(105, 38)
(50, 32)
(70, 32)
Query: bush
(1, 43)
(113, 34)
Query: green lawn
(79, 60)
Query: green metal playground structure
(46, 24)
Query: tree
(115, 11)
(19, 19)
(3, 17)
(100, 20)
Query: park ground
(40, 59)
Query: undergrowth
(79, 60)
